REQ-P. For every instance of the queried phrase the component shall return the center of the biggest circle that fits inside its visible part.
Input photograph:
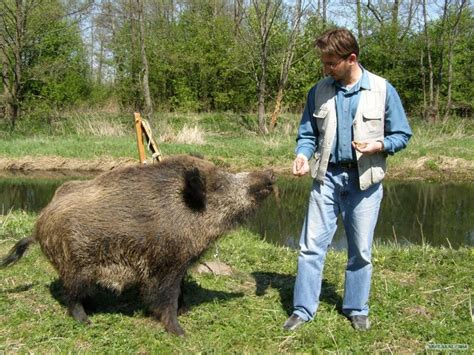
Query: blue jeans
(339, 195)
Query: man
(351, 121)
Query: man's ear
(353, 58)
(194, 192)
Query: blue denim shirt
(397, 131)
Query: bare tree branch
(374, 11)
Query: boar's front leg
(162, 297)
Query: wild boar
(142, 225)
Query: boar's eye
(194, 192)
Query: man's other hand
(300, 165)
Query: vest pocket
(373, 123)
(315, 164)
(377, 174)
(378, 167)
(321, 113)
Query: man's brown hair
(338, 41)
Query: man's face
(338, 68)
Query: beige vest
(368, 124)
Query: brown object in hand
(360, 145)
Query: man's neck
(353, 77)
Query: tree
(14, 19)
(440, 37)
(261, 19)
(287, 60)
(41, 51)
(145, 69)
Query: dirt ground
(57, 166)
(425, 168)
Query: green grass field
(420, 296)
(230, 140)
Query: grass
(452, 139)
(420, 295)
(225, 138)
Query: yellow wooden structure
(144, 134)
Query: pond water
(411, 212)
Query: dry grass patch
(403, 278)
(190, 135)
(417, 312)
(187, 135)
(99, 127)
(271, 142)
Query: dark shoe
(360, 322)
(293, 322)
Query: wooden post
(141, 147)
(150, 142)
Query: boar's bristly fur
(141, 225)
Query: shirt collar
(362, 84)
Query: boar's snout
(261, 183)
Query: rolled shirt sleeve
(307, 138)
(397, 130)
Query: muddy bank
(441, 168)
(58, 166)
(425, 168)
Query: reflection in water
(28, 194)
(411, 212)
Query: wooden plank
(138, 129)
(151, 144)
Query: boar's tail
(16, 252)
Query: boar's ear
(194, 192)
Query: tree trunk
(287, 62)
(13, 101)
(146, 87)
(450, 83)
(430, 111)
(423, 78)
(324, 12)
(266, 13)
(359, 21)
(101, 62)
(137, 102)
(395, 10)
(452, 41)
(5, 103)
(91, 64)
(262, 124)
(238, 15)
(277, 109)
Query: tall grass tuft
(190, 135)
(98, 127)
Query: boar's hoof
(76, 310)
(171, 324)
(175, 329)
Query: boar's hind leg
(76, 310)
(76, 291)
(163, 300)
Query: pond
(411, 212)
